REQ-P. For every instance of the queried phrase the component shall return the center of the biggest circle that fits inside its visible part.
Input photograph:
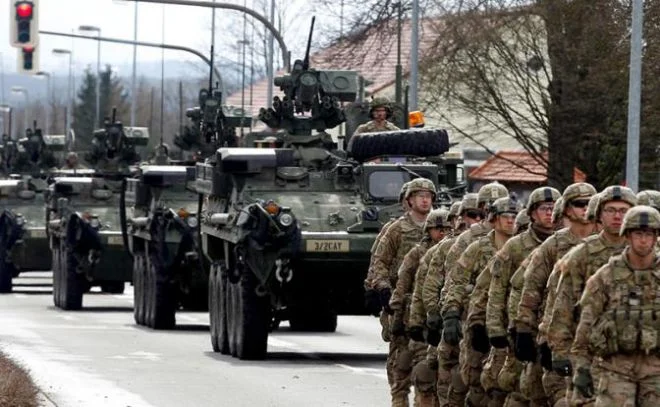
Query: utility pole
(134, 73)
(634, 96)
(399, 71)
(414, 55)
(269, 68)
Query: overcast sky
(186, 26)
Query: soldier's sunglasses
(472, 214)
(579, 203)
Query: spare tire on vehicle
(417, 142)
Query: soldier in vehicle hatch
(380, 112)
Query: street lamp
(61, 51)
(42, 74)
(22, 90)
(7, 109)
(97, 116)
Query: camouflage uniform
(580, 263)
(533, 293)
(395, 243)
(506, 263)
(372, 126)
(618, 329)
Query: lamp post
(61, 51)
(7, 109)
(97, 115)
(42, 74)
(22, 90)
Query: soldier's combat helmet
(469, 202)
(420, 184)
(590, 214)
(380, 102)
(490, 192)
(649, 197)
(540, 195)
(579, 190)
(501, 206)
(558, 210)
(402, 193)
(522, 221)
(615, 193)
(641, 217)
(454, 210)
(437, 218)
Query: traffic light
(24, 23)
(28, 60)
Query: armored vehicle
(288, 229)
(161, 231)
(22, 229)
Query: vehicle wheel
(56, 276)
(113, 287)
(73, 284)
(232, 322)
(7, 271)
(138, 289)
(419, 142)
(213, 309)
(223, 334)
(251, 315)
(148, 293)
(163, 297)
(313, 314)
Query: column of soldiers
(488, 304)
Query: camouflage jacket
(536, 277)
(368, 282)
(372, 127)
(394, 244)
(435, 276)
(406, 275)
(619, 305)
(516, 284)
(551, 295)
(505, 263)
(476, 314)
(417, 313)
(577, 266)
(460, 281)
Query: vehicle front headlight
(192, 221)
(286, 219)
(20, 220)
(95, 222)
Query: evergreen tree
(84, 111)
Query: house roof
(375, 58)
(516, 166)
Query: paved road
(99, 357)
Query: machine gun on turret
(112, 149)
(311, 97)
(32, 153)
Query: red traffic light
(28, 49)
(24, 9)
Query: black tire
(213, 309)
(148, 292)
(251, 316)
(138, 289)
(163, 297)
(73, 284)
(113, 287)
(56, 266)
(7, 271)
(417, 142)
(221, 314)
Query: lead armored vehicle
(288, 229)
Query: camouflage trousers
(384, 326)
(573, 397)
(492, 368)
(471, 365)
(424, 375)
(531, 384)
(399, 366)
(450, 386)
(509, 381)
(629, 380)
(555, 388)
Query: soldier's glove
(433, 337)
(583, 382)
(499, 342)
(546, 356)
(372, 302)
(480, 338)
(562, 367)
(525, 348)
(397, 327)
(451, 331)
(385, 295)
(433, 321)
(416, 333)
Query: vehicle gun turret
(112, 149)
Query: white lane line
(364, 370)
(188, 318)
(20, 295)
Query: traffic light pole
(229, 6)
(140, 43)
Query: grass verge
(16, 386)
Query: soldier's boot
(555, 388)
(423, 379)
(401, 371)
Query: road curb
(44, 401)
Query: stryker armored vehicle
(160, 227)
(82, 217)
(288, 229)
